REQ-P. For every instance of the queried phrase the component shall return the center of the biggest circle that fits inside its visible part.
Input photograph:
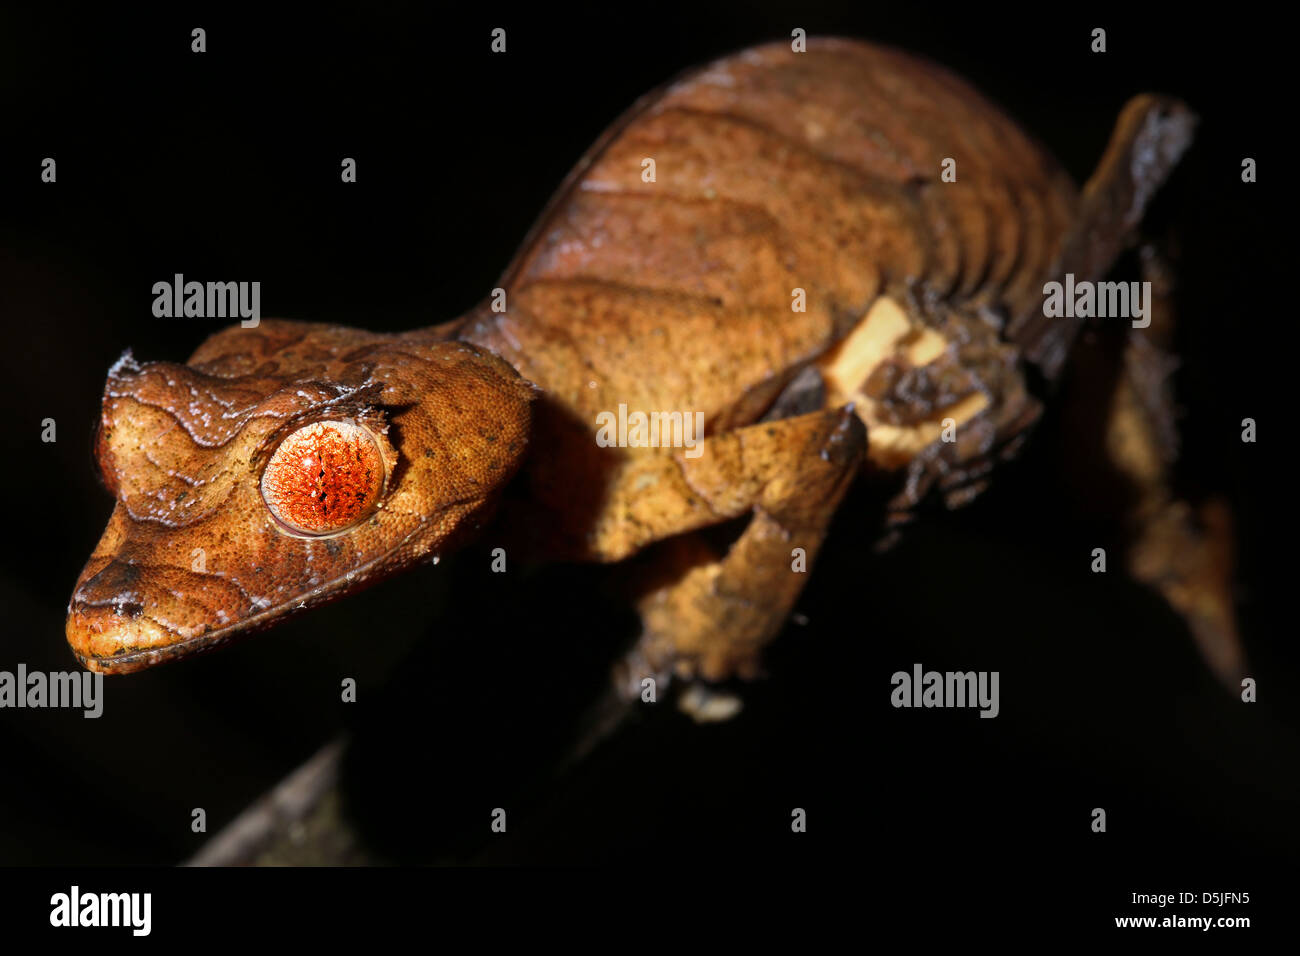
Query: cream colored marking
(886, 331)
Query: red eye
(324, 477)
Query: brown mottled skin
(774, 171)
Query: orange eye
(324, 477)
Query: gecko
(834, 261)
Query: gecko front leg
(717, 612)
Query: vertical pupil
(323, 477)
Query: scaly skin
(192, 555)
(774, 171)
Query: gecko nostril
(115, 588)
(110, 582)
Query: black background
(226, 165)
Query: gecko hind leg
(1125, 467)
(1182, 551)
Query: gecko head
(284, 466)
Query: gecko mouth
(121, 638)
(129, 616)
(126, 618)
